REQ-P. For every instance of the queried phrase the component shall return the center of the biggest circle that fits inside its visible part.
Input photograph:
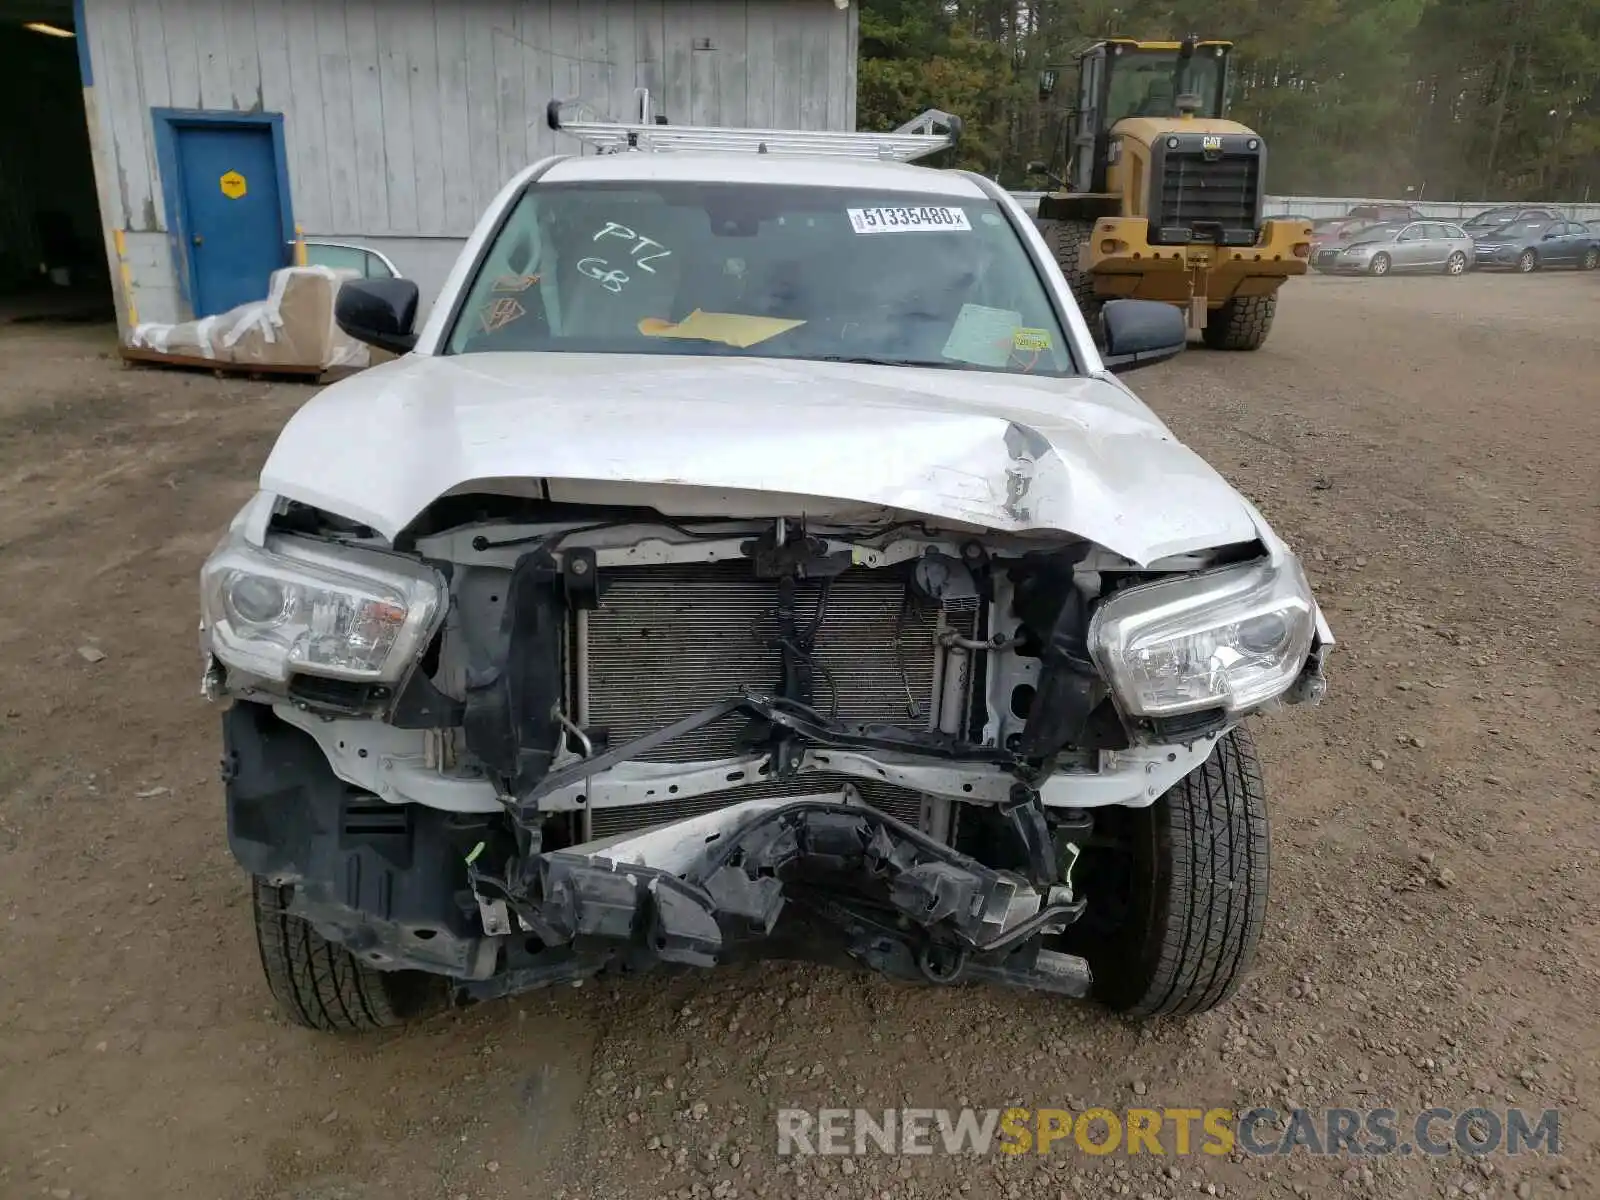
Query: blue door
(233, 213)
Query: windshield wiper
(867, 360)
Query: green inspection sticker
(1030, 339)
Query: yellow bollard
(127, 276)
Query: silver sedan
(1396, 246)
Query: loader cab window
(1147, 83)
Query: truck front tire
(1181, 889)
(1241, 323)
(321, 985)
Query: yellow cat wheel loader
(1161, 197)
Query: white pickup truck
(751, 555)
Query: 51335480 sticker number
(920, 218)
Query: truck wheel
(1178, 891)
(1064, 238)
(323, 986)
(1240, 324)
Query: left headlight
(1231, 638)
(298, 607)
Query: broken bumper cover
(776, 878)
(406, 887)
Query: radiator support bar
(803, 722)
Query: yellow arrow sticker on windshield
(731, 329)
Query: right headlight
(1231, 638)
(302, 607)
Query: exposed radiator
(669, 641)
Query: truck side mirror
(379, 312)
(1141, 332)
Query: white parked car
(752, 555)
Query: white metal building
(221, 127)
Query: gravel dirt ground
(1432, 447)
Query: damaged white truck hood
(760, 437)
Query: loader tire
(1064, 239)
(1181, 889)
(321, 985)
(1240, 324)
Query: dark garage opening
(52, 249)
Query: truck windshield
(762, 270)
(1147, 83)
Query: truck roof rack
(927, 134)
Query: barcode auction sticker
(925, 218)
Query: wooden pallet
(143, 357)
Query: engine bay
(544, 740)
(604, 671)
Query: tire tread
(1241, 323)
(1216, 826)
(1064, 239)
(323, 986)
